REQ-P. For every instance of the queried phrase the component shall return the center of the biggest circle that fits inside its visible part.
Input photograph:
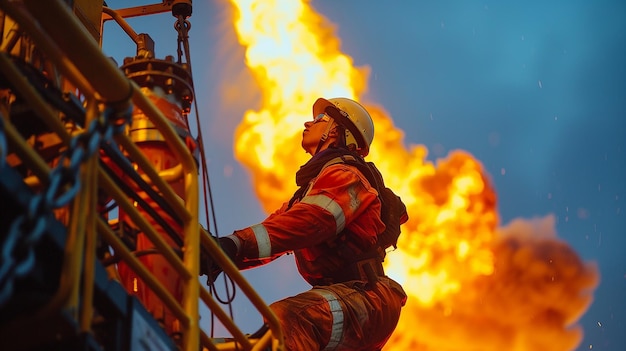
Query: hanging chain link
(183, 27)
(17, 256)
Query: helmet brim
(320, 106)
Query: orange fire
(471, 284)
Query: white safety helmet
(353, 117)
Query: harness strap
(340, 159)
(368, 269)
(334, 161)
(368, 266)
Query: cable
(182, 26)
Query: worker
(331, 221)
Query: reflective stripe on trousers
(342, 316)
(335, 308)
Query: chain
(17, 257)
(3, 143)
(182, 26)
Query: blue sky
(535, 88)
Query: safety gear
(340, 198)
(347, 316)
(346, 311)
(322, 117)
(209, 267)
(353, 117)
(393, 211)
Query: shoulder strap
(340, 159)
(364, 167)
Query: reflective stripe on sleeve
(329, 205)
(262, 240)
(336, 333)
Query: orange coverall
(333, 315)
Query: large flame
(471, 284)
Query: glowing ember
(471, 285)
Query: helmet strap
(324, 136)
(341, 136)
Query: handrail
(158, 241)
(115, 88)
(167, 192)
(70, 281)
(233, 272)
(57, 32)
(141, 271)
(51, 120)
(224, 318)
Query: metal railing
(73, 51)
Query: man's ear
(334, 131)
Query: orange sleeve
(336, 197)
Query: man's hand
(209, 267)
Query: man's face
(313, 131)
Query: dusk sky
(534, 90)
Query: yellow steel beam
(154, 177)
(88, 11)
(120, 249)
(26, 153)
(80, 48)
(224, 318)
(191, 235)
(113, 87)
(38, 104)
(155, 237)
(90, 186)
(264, 341)
(47, 45)
(229, 268)
(139, 11)
(207, 342)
